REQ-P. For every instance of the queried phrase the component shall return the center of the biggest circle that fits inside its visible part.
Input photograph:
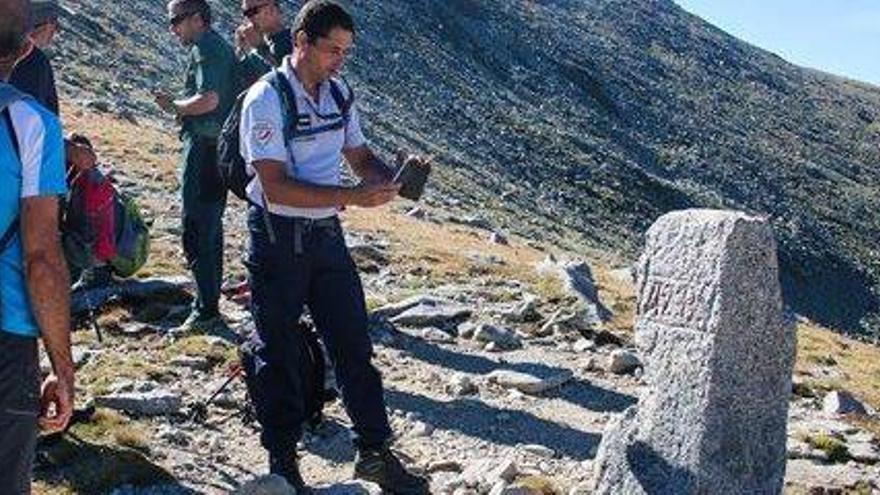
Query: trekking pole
(200, 410)
(93, 318)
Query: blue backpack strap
(344, 104)
(289, 111)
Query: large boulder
(718, 356)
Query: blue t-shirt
(40, 172)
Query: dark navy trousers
(308, 265)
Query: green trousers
(204, 201)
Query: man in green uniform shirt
(262, 40)
(209, 96)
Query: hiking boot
(287, 467)
(382, 467)
(196, 324)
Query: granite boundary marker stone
(718, 356)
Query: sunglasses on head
(181, 17)
(253, 10)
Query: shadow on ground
(479, 420)
(86, 467)
(578, 392)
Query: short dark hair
(200, 7)
(318, 17)
(15, 24)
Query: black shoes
(287, 467)
(382, 467)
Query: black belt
(300, 225)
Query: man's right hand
(58, 392)
(247, 38)
(370, 195)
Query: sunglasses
(253, 10)
(181, 17)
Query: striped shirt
(40, 172)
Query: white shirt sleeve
(262, 129)
(42, 150)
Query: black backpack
(232, 167)
(311, 370)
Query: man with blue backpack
(297, 124)
(34, 287)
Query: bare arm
(49, 290)
(367, 165)
(198, 104)
(281, 190)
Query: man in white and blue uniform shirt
(297, 255)
(34, 286)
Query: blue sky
(837, 36)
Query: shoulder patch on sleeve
(262, 132)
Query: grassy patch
(858, 364)
(107, 426)
(539, 485)
(548, 288)
(833, 447)
(100, 374)
(216, 352)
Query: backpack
(231, 165)
(102, 225)
(132, 237)
(312, 371)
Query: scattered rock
(421, 429)
(502, 338)
(526, 312)
(584, 345)
(425, 315)
(622, 362)
(416, 212)
(498, 238)
(526, 383)
(433, 334)
(102, 106)
(444, 466)
(842, 402)
(577, 280)
(173, 435)
(460, 384)
(266, 485)
(466, 330)
(199, 363)
(539, 451)
(392, 310)
(152, 403)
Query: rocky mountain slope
(497, 374)
(580, 122)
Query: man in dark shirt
(261, 41)
(208, 98)
(34, 74)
